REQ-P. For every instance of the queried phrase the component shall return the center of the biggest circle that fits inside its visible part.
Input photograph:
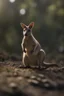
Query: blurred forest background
(48, 16)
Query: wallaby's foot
(24, 66)
(46, 65)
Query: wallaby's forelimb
(23, 46)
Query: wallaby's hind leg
(25, 60)
(41, 57)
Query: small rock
(33, 81)
(20, 78)
(41, 75)
(15, 74)
(13, 85)
(38, 78)
(33, 77)
(46, 85)
(44, 80)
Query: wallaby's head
(27, 30)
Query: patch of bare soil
(16, 80)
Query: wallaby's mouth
(26, 34)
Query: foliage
(48, 16)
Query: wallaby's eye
(24, 29)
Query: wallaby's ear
(31, 25)
(23, 25)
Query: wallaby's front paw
(24, 50)
(26, 66)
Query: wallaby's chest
(29, 43)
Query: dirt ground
(16, 80)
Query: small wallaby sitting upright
(33, 54)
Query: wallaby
(33, 54)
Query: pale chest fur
(29, 42)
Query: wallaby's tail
(49, 64)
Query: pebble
(38, 78)
(33, 77)
(46, 84)
(19, 78)
(33, 81)
(15, 74)
(13, 85)
(44, 80)
(41, 75)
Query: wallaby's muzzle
(26, 34)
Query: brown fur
(33, 54)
